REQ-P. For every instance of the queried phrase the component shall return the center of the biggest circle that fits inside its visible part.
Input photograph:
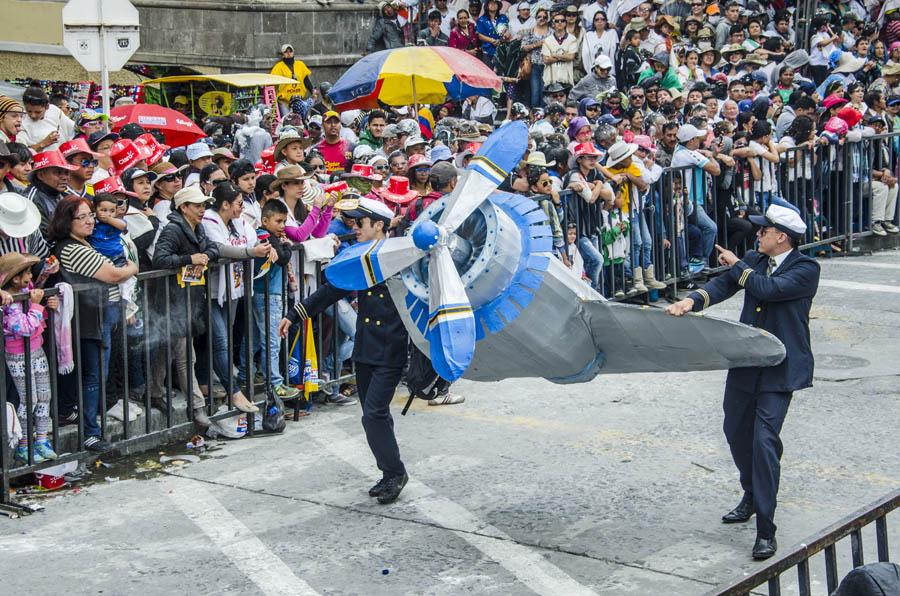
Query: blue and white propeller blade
(368, 264)
(451, 324)
(496, 158)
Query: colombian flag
(426, 123)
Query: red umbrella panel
(178, 129)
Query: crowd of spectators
(654, 133)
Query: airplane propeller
(451, 323)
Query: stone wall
(246, 35)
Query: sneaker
(878, 229)
(890, 227)
(446, 400)
(695, 265)
(285, 392)
(392, 488)
(620, 293)
(341, 400)
(97, 445)
(22, 456)
(70, 419)
(44, 449)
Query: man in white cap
(379, 350)
(779, 284)
(522, 22)
(595, 82)
(702, 162)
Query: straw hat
(14, 263)
(538, 159)
(287, 137)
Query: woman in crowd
(235, 239)
(168, 183)
(532, 42)
(70, 225)
(463, 36)
(418, 173)
(184, 247)
(309, 210)
(210, 175)
(601, 39)
(243, 175)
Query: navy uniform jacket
(779, 304)
(381, 338)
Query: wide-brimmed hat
(848, 64)
(288, 174)
(754, 59)
(665, 20)
(222, 153)
(586, 149)
(14, 263)
(197, 151)
(706, 48)
(645, 142)
(539, 160)
(113, 186)
(397, 191)
(365, 171)
(76, 146)
(19, 217)
(733, 48)
(637, 24)
(619, 152)
(890, 69)
(165, 168)
(413, 141)
(311, 191)
(50, 159)
(287, 137)
(191, 194)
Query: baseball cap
(688, 132)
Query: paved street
(613, 487)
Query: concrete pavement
(612, 487)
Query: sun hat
(586, 149)
(191, 194)
(848, 64)
(198, 151)
(222, 153)
(891, 69)
(289, 174)
(397, 191)
(14, 263)
(19, 217)
(619, 152)
(733, 48)
(706, 48)
(441, 153)
(291, 135)
(362, 152)
(76, 146)
(539, 160)
(418, 161)
(50, 159)
(645, 142)
(365, 171)
(111, 185)
(375, 210)
(375, 158)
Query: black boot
(378, 488)
(392, 488)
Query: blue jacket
(779, 304)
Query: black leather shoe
(740, 514)
(378, 488)
(392, 488)
(764, 548)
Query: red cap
(586, 149)
(336, 187)
(76, 146)
(51, 159)
(150, 148)
(124, 154)
(111, 185)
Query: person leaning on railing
(70, 225)
(183, 246)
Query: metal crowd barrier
(154, 345)
(825, 540)
(831, 185)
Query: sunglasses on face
(591, 109)
(383, 167)
(545, 183)
(637, 96)
(322, 167)
(121, 202)
(168, 178)
(86, 163)
(558, 21)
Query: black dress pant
(376, 386)
(752, 426)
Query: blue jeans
(94, 354)
(259, 336)
(593, 260)
(221, 321)
(640, 240)
(346, 324)
(537, 85)
(708, 231)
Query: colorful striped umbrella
(413, 75)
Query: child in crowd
(21, 320)
(107, 236)
(576, 263)
(274, 218)
(614, 246)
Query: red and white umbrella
(178, 129)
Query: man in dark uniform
(779, 284)
(380, 352)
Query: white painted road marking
(861, 263)
(855, 285)
(528, 566)
(248, 553)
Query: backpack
(421, 379)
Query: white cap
(689, 132)
(414, 141)
(198, 150)
(523, 6)
(785, 219)
(362, 151)
(190, 194)
(348, 117)
(602, 61)
(369, 208)
(287, 47)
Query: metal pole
(104, 68)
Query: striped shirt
(33, 244)
(84, 260)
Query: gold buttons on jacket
(758, 309)
(378, 322)
(368, 293)
(381, 295)
(367, 319)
